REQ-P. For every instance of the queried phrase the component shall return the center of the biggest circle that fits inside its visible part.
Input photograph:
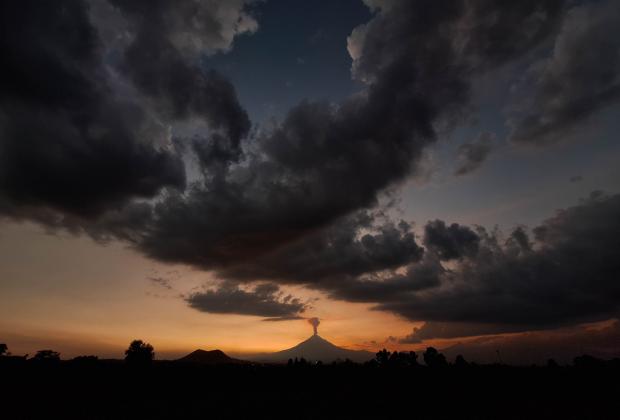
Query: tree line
(141, 353)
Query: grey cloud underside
(326, 161)
(66, 141)
(569, 274)
(265, 300)
(450, 242)
(179, 87)
(581, 77)
(335, 252)
(295, 202)
(467, 281)
(85, 118)
(322, 163)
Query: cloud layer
(581, 77)
(67, 142)
(567, 275)
(264, 300)
(103, 141)
(324, 162)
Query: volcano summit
(315, 349)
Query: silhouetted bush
(434, 359)
(139, 353)
(383, 357)
(84, 360)
(587, 361)
(48, 356)
(552, 364)
(403, 359)
(460, 361)
(4, 350)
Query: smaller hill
(211, 357)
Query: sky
(211, 174)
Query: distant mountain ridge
(315, 348)
(211, 357)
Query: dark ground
(113, 390)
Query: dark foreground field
(113, 390)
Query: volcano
(314, 349)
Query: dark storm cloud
(265, 300)
(78, 143)
(341, 250)
(470, 156)
(157, 63)
(569, 276)
(66, 142)
(450, 242)
(321, 163)
(291, 203)
(519, 240)
(565, 274)
(493, 32)
(388, 287)
(192, 27)
(580, 78)
(290, 211)
(325, 161)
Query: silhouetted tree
(551, 363)
(4, 350)
(372, 363)
(139, 353)
(460, 361)
(413, 359)
(383, 357)
(394, 359)
(587, 361)
(299, 362)
(434, 359)
(47, 356)
(85, 360)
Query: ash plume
(315, 324)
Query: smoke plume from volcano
(315, 324)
